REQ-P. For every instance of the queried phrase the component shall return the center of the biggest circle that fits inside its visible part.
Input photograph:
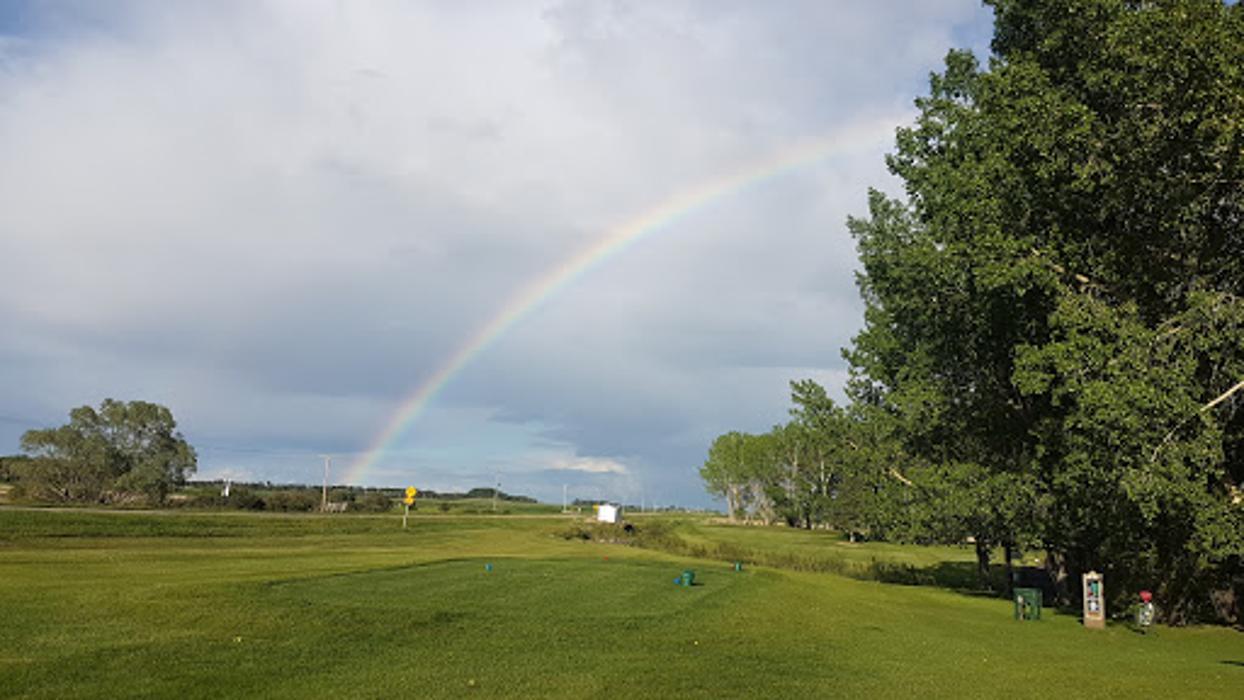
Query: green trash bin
(1028, 603)
(688, 578)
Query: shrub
(374, 502)
(293, 501)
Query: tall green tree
(725, 471)
(1140, 479)
(121, 449)
(1058, 291)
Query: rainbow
(661, 217)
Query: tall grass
(687, 538)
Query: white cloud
(282, 217)
(588, 465)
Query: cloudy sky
(281, 219)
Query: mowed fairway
(178, 605)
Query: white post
(405, 515)
(328, 459)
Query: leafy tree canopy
(120, 449)
(1053, 346)
(1059, 295)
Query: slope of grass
(290, 607)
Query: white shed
(608, 513)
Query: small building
(609, 513)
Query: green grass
(209, 605)
(827, 552)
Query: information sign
(1094, 601)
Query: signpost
(409, 500)
(1094, 601)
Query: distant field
(457, 506)
(98, 604)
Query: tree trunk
(1010, 569)
(764, 506)
(1056, 569)
(791, 478)
(982, 564)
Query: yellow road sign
(411, 492)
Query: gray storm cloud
(280, 218)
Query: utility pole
(496, 480)
(564, 508)
(328, 460)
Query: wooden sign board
(1094, 601)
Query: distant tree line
(287, 498)
(479, 492)
(1053, 347)
(131, 453)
